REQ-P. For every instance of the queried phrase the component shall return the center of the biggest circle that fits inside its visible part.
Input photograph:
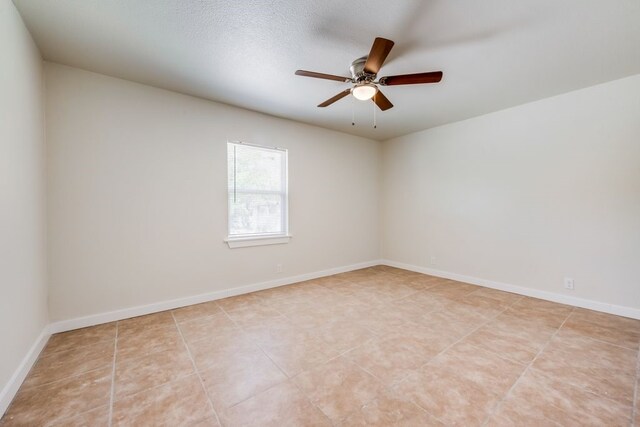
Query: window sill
(244, 242)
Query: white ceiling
(494, 53)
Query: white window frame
(246, 240)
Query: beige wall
(23, 294)
(138, 203)
(525, 196)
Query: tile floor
(378, 346)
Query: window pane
(257, 190)
(255, 168)
(255, 213)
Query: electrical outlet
(279, 268)
(568, 283)
(433, 260)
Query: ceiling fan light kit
(364, 72)
(364, 92)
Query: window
(257, 178)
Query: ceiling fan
(363, 76)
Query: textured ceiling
(494, 53)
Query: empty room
(319, 213)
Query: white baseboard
(11, 388)
(96, 319)
(618, 310)
(111, 316)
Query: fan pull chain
(353, 111)
(375, 126)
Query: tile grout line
(581, 387)
(357, 367)
(481, 325)
(528, 366)
(113, 377)
(276, 385)
(419, 368)
(343, 353)
(68, 377)
(571, 384)
(526, 369)
(323, 363)
(598, 339)
(440, 309)
(195, 369)
(80, 346)
(501, 356)
(635, 410)
(368, 401)
(240, 328)
(488, 320)
(332, 290)
(586, 337)
(279, 368)
(388, 389)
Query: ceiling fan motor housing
(357, 71)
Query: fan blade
(411, 79)
(322, 76)
(335, 98)
(379, 51)
(381, 101)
